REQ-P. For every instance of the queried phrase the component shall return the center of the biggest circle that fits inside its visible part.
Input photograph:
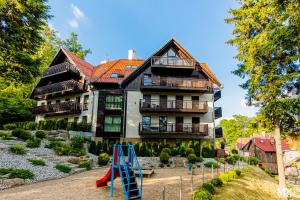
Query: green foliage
(251, 160)
(93, 148)
(238, 172)
(143, 150)
(63, 168)
(189, 151)
(5, 135)
(17, 132)
(208, 152)
(85, 164)
(199, 159)
(164, 157)
(224, 177)
(21, 133)
(103, 159)
(231, 160)
(234, 151)
(77, 142)
(62, 149)
(40, 134)
(192, 158)
(33, 142)
(231, 174)
(137, 148)
(211, 164)
(208, 187)
(37, 162)
(202, 195)
(99, 148)
(166, 150)
(17, 149)
(10, 126)
(17, 173)
(216, 182)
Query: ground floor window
(112, 123)
(84, 119)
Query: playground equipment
(124, 167)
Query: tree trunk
(280, 166)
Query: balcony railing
(200, 129)
(64, 86)
(218, 112)
(60, 68)
(113, 105)
(173, 106)
(58, 109)
(218, 132)
(176, 84)
(173, 62)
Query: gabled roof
(102, 73)
(266, 144)
(241, 142)
(203, 66)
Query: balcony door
(195, 124)
(179, 102)
(179, 124)
(195, 102)
(163, 101)
(163, 123)
(147, 101)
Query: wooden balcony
(57, 89)
(172, 63)
(61, 69)
(176, 84)
(65, 108)
(173, 131)
(173, 106)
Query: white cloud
(77, 12)
(73, 23)
(244, 103)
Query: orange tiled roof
(103, 72)
(85, 67)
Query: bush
(77, 142)
(17, 173)
(93, 148)
(76, 152)
(189, 151)
(21, 133)
(62, 150)
(231, 174)
(17, 149)
(5, 135)
(85, 164)
(202, 195)
(208, 187)
(234, 151)
(10, 126)
(167, 150)
(37, 162)
(251, 160)
(40, 134)
(199, 159)
(224, 177)
(211, 164)
(17, 132)
(220, 160)
(192, 158)
(63, 168)
(143, 150)
(208, 152)
(33, 142)
(238, 172)
(216, 182)
(103, 159)
(164, 157)
(231, 160)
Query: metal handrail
(138, 167)
(173, 104)
(172, 61)
(59, 107)
(173, 127)
(121, 155)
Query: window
(84, 119)
(112, 123)
(114, 75)
(147, 79)
(146, 120)
(85, 102)
(113, 102)
(130, 67)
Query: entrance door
(163, 123)
(195, 102)
(195, 124)
(179, 102)
(179, 124)
(163, 101)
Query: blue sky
(111, 27)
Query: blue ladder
(126, 165)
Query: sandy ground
(82, 186)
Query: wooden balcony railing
(173, 106)
(60, 68)
(199, 129)
(176, 84)
(173, 62)
(58, 109)
(64, 86)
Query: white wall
(133, 116)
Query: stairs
(131, 186)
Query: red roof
(121, 68)
(268, 144)
(241, 142)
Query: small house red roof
(268, 144)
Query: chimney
(131, 54)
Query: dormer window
(130, 67)
(115, 75)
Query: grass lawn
(253, 185)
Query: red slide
(106, 178)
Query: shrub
(21, 133)
(103, 159)
(37, 162)
(192, 158)
(202, 195)
(155, 149)
(33, 142)
(231, 174)
(216, 182)
(164, 157)
(62, 150)
(17, 132)
(5, 135)
(93, 148)
(167, 150)
(63, 168)
(224, 177)
(234, 151)
(54, 143)
(208, 152)
(189, 151)
(253, 160)
(75, 152)
(208, 187)
(17, 173)
(199, 159)
(211, 164)
(220, 160)
(17, 149)
(85, 164)
(231, 160)
(40, 134)
(77, 142)
(10, 126)
(143, 150)
(137, 148)
(238, 172)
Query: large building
(168, 97)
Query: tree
(267, 37)
(74, 46)
(21, 23)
